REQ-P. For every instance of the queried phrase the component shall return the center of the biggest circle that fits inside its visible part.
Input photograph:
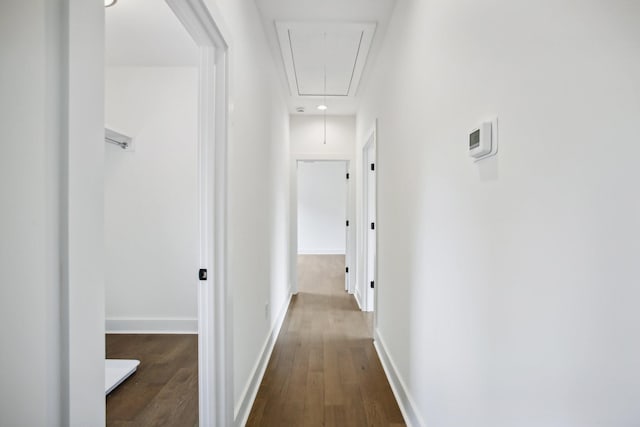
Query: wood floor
(164, 389)
(324, 370)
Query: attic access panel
(307, 47)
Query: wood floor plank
(314, 400)
(354, 406)
(172, 405)
(164, 389)
(255, 418)
(334, 416)
(324, 369)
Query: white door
(370, 225)
(348, 224)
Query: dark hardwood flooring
(324, 370)
(164, 389)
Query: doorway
(369, 224)
(322, 213)
(151, 218)
(172, 189)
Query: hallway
(324, 369)
(491, 151)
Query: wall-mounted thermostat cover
(483, 140)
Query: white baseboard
(358, 297)
(151, 326)
(251, 389)
(321, 251)
(407, 405)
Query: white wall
(151, 206)
(29, 253)
(307, 136)
(508, 289)
(51, 297)
(322, 207)
(258, 219)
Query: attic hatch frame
(284, 29)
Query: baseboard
(358, 297)
(251, 390)
(151, 326)
(321, 251)
(407, 405)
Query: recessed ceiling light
(109, 3)
(322, 107)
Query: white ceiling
(306, 22)
(147, 33)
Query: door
(347, 229)
(370, 225)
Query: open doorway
(151, 216)
(323, 224)
(165, 203)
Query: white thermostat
(483, 140)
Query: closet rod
(121, 144)
(113, 137)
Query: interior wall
(30, 178)
(307, 135)
(51, 363)
(507, 289)
(151, 200)
(258, 216)
(322, 207)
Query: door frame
(368, 178)
(350, 247)
(215, 344)
(79, 85)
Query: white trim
(243, 409)
(406, 403)
(215, 346)
(82, 210)
(369, 150)
(350, 258)
(207, 375)
(358, 298)
(321, 252)
(152, 326)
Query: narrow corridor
(324, 369)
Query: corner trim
(251, 389)
(400, 391)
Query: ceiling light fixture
(322, 107)
(109, 3)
